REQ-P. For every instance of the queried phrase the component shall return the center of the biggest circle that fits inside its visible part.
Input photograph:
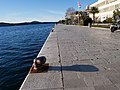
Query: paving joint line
(60, 62)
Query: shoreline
(39, 54)
(24, 23)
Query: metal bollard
(38, 62)
(52, 29)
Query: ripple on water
(19, 45)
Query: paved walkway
(80, 58)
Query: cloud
(46, 15)
(49, 18)
(28, 19)
(55, 12)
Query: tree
(94, 10)
(70, 14)
(68, 21)
(83, 18)
(116, 15)
(61, 21)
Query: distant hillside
(25, 23)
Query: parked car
(115, 26)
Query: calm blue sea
(19, 45)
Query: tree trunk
(93, 17)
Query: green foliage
(69, 12)
(61, 21)
(81, 22)
(94, 10)
(101, 26)
(82, 18)
(68, 21)
(116, 14)
(108, 20)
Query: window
(110, 1)
(111, 8)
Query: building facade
(106, 8)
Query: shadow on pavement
(78, 68)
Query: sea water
(19, 45)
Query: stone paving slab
(74, 83)
(81, 88)
(91, 55)
(43, 81)
(45, 89)
(106, 87)
(80, 58)
(97, 81)
(51, 80)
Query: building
(106, 8)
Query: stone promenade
(79, 58)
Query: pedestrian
(90, 22)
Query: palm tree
(116, 15)
(94, 10)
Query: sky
(15, 11)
